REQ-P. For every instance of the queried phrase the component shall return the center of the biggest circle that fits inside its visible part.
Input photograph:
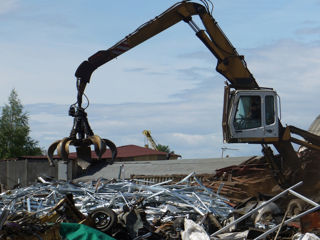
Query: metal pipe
(28, 205)
(304, 198)
(181, 197)
(125, 200)
(286, 222)
(161, 183)
(199, 199)
(194, 26)
(220, 187)
(254, 210)
(186, 178)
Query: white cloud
(309, 31)
(193, 139)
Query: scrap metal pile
(123, 209)
(136, 209)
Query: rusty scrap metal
(225, 228)
(132, 209)
(161, 202)
(310, 222)
(271, 228)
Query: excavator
(250, 112)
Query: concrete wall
(39, 168)
(73, 170)
(24, 172)
(16, 173)
(3, 172)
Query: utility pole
(223, 149)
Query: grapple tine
(63, 148)
(81, 137)
(99, 145)
(112, 147)
(50, 152)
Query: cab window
(248, 113)
(269, 108)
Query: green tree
(164, 148)
(14, 131)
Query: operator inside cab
(248, 114)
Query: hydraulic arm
(230, 64)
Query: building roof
(162, 167)
(125, 151)
(136, 151)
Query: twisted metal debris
(182, 197)
(127, 209)
(162, 202)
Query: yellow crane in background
(147, 134)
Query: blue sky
(167, 84)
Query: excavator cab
(250, 116)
